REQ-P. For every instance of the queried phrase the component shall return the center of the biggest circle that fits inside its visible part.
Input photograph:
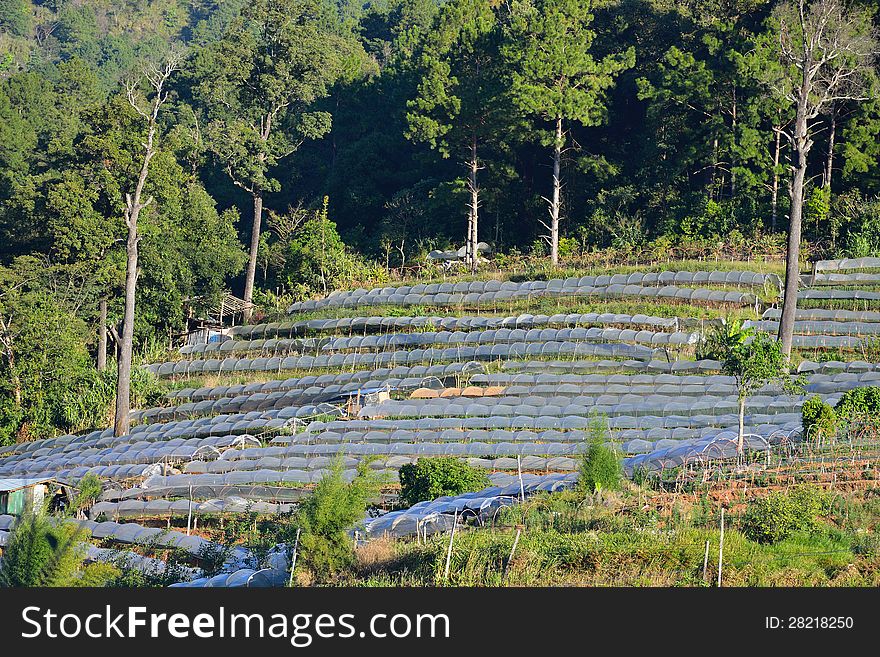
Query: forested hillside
(295, 146)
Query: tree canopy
(370, 135)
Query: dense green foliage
(721, 340)
(88, 490)
(600, 468)
(41, 553)
(860, 404)
(326, 516)
(357, 120)
(777, 516)
(430, 478)
(671, 128)
(754, 363)
(818, 418)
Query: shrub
(774, 518)
(40, 553)
(568, 247)
(316, 260)
(600, 467)
(326, 516)
(719, 340)
(818, 418)
(430, 478)
(859, 404)
(89, 490)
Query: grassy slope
(568, 541)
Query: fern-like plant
(40, 553)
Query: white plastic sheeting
(380, 324)
(401, 357)
(615, 290)
(823, 314)
(720, 446)
(438, 515)
(243, 577)
(847, 264)
(633, 284)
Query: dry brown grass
(376, 554)
(303, 577)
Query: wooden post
(293, 557)
(706, 560)
(189, 514)
(519, 529)
(449, 549)
(522, 490)
(721, 547)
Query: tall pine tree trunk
(556, 202)
(802, 145)
(123, 377)
(254, 250)
(829, 163)
(473, 215)
(257, 194)
(774, 199)
(102, 336)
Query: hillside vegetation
(422, 292)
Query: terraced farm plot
(251, 423)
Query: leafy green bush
(430, 478)
(818, 418)
(859, 404)
(89, 403)
(568, 246)
(856, 220)
(774, 518)
(89, 490)
(326, 516)
(719, 340)
(600, 467)
(316, 260)
(40, 553)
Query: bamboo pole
(519, 529)
(721, 547)
(706, 560)
(449, 549)
(293, 557)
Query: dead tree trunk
(123, 376)
(471, 254)
(157, 77)
(256, 192)
(831, 48)
(774, 197)
(802, 144)
(252, 258)
(555, 202)
(733, 126)
(829, 163)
